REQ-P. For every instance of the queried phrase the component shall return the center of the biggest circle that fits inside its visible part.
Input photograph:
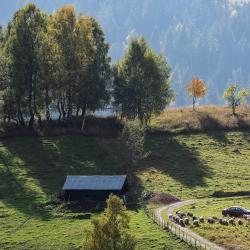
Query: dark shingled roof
(94, 182)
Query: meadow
(197, 165)
(32, 169)
(188, 166)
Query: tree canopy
(235, 95)
(53, 63)
(21, 49)
(141, 82)
(196, 89)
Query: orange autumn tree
(196, 89)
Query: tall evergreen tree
(141, 82)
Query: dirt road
(192, 236)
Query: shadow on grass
(15, 194)
(210, 124)
(242, 122)
(176, 160)
(216, 130)
(33, 168)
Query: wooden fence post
(176, 229)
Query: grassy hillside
(197, 165)
(32, 169)
(204, 118)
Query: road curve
(170, 209)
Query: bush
(133, 137)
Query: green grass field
(197, 165)
(32, 169)
(231, 237)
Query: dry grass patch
(202, 119)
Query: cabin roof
(94, 182)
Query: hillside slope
(32, 169)
(187, 166)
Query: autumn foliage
(111, 230)
(196, 89)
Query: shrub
(111, 230)
(133, 137)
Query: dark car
(235, 211)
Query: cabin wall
(125, 187)
(99, 195)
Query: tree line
(59, 63)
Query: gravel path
(193, 236)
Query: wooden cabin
(94, 187)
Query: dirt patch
(163, 198)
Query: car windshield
(243, 209)
(238, 208)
